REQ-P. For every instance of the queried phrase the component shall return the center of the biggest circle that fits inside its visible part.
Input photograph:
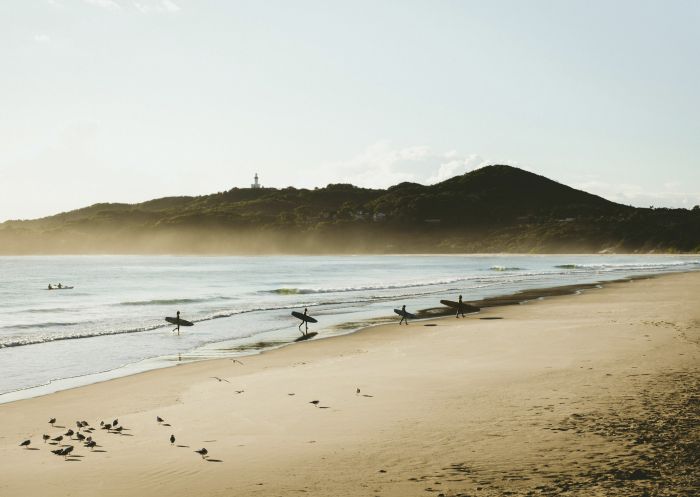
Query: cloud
(380, 165)
(42, 38)
(146, 6)
(105, 4)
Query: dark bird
(80, 436)
(119, 429)
(172, 439)
(69, 433)
(79, 424)
(239, 391)
(58, 439)
(58, 452)
(91, 444)
(358, 392)
(159, 419)
(315, 402)
(67, 451)
(88, 439)
(220, 379)
(25, 444)
(52, 421)
(84, 424)
(236, 360)
(102, 423)
(290, 394)
(115, 422)
(107, 427)
(202, 452)
(45, 437)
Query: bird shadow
(208, 441)
(183, 446)
(125, 435)
(324, 407)
(98, 451)
(167, 424)
(365, 395)
(492, 317)
(213, 460)
(32, 448)
(57, 426)
(430, 324)
(71, 459)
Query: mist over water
(112, 321)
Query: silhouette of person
(50, 287)
(304, 322)
(460, 309)
(403, 316)
(60, 286)
(178, 322)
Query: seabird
(58, 452)
(159, 419)
(358, 392)
(58, 439)
(119, 429)
(236, 360)
(172, 439)
(91, 444)
(52, 421)
(115, 422)
(315, 402)
(239, 391)
(67, 451)
(107, 427)
(202, 452)
(80, 436)
(25, 444)
(69, 433)
(45, 437)
(220, 379)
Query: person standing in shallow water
(403, 316)
(460, 308)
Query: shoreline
(166, 361)
(591, 394)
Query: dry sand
(592, 394)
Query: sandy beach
(590, 394)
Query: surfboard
(306, 337)
(304, 317)
(62, 288)
(180, 321)
(466, 308)
(405, 314)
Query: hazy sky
(126, 100)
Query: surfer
(460, 309)
(178, 323)
(60, 286)
(305, 322)
(404, 316)
(50, 287)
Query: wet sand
(591, 394)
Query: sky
(129, 100)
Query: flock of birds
(84, 435)
(84, 432)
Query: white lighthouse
(256, 184)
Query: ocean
(112, 322)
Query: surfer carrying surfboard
(404, 315)
(460, 308)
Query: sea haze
(111, 323)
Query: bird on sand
(220, 379)
(58, 452)
(239, 391)
(236, 360)
(25, 444)
(107, 427)
(119, 429)
(172, 439)
(58, 439)
(80, 436)
(159, 419)
(69, 433)
(67, 451)
(91, 444)
(45, 437)
(52, 421)
(202, 452)
(315, 402)
(115, 422)
(358, 392)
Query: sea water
(112, 322)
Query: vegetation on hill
(494, 209)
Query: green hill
(493, 209)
